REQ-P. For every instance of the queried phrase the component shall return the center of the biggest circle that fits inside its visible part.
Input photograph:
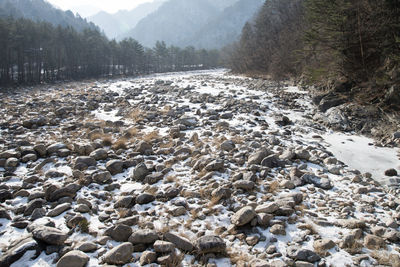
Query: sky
(90, 7)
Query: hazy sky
(85, 7)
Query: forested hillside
(200, 23)
(355, 42)
(35, 52)
(40, 10)
(115, 25)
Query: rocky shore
(190, 169)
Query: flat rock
(210, 244)
(73, 258)
(119, 255)
(50, 235)
(243, 216)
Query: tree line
(36, 52)
(354, 40)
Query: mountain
(41, 10)
(223, 29)
(199, 23)
(86, 10)
(119, 23)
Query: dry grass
(273, 187)
(120, 144)
(165, 110)
(151, 190)
(123, 213)
(136, 115)
(168, 144)
(238, 258)
(383, 257)
(132, 132)
(214, 201)
(310, 226)
(152, 137)
(237, 139)
(171, 179)
(356, 248)
(107, 140)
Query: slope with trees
(323, 41)
(36, 52)
(41, 10)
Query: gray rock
(145, 198)
(52, 149)
(278, 229)
(125, 202)
(391, 172)
(179, 241)
(243, 216)
(87, 247)
(99, 154)
(300, 254)
(215, 165)
(120, 232)
(228, 145)
(17, 249)
(115, 166)
(210, 244)
(148, 257)
(140, 172)
(245, 185)
(102, 177)
(34, 204)
(73, 258)
(271, 161)
(322, 183)
(119, 255)
(257, 157)
(163, 247)
(144, 148)
(267, 208)
(143, 237)
(59, 209)
(50, 235)
(85, 160)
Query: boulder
(73, 258)
(243, 216)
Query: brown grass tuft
(273, 187)
(120, 144)
(152, 137)
(107, 140)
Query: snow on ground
(355, 151)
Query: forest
(36, 52)
(320, 42)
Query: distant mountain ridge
(41, 10)
(200, 23)
(115, 25)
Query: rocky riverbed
(191, 169)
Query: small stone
(163, 246)
(210, 244)
(321, 246)
(374, 242)
(115, 166)
(391, 172)
(267, 208)
(278, 229)
(180, 242)
(143, 237)
(73, 258)
(243, 216)
(119, 255)
(148, 257)
(145, 198)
